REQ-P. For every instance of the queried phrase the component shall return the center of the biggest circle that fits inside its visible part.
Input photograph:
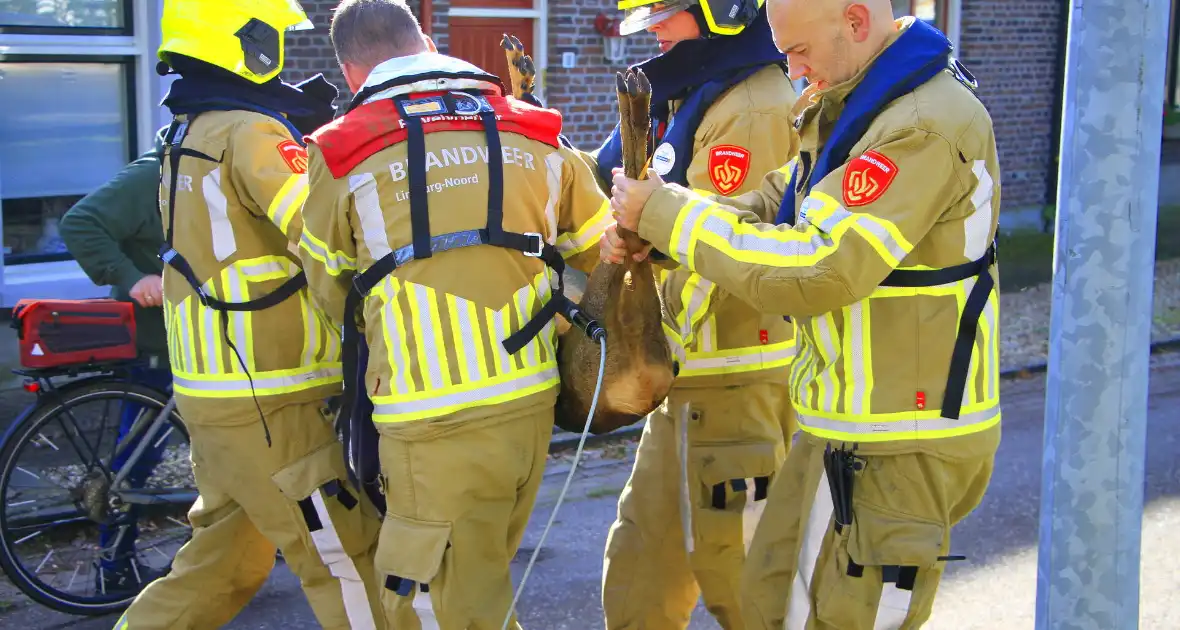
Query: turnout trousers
(294, 496)
(879, 573)
(458, 497)
(737, 438)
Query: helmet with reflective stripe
(715, 17)
(244, 37)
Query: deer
(623, 298)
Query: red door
(477, 39)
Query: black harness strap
(968, 323)
(174, 138)
(360, 434)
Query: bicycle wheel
(75, 534)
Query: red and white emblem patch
(867, 178)
(728, 167)
(294, 155)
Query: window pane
(63, 13)
(64, 131)
(925, 10)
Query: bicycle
(92, 494)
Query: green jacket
(115, 234)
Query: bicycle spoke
(93, 452)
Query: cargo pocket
(728, 472)
(409, 556)
(892, 546)
(338, 529)
(733, 480)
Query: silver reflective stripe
(588, 235)
(977, 226)
(739, 359)
(868, 427)
(340, 565)
(554, 165)
(530, 353)
(424, 610)
(825, 342)
(500, 326)
(210, 331)
(460, 398)
(893, 607)
(990, 313)
(368, 207)
(260, 382)
(429, 338)
(765, 245)
(462, 312)
(395, 345)
(854, 329)
(186, 332)
(238, 292)
(687, 223)
(818, 520)
(882, 235)
(695, 304)
(706, 338)
(333, 262)
(224, 244)
(281, 210)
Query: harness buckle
(540, 245)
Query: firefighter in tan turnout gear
(443, 212)
(721, 111)
(883, 254)
(253, 361)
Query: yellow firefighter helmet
(716, 17)
(244, 37)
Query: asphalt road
(995, 588)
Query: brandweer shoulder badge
(728, 167)
(294, 155)
(867, 178)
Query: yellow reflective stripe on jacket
(914, 425)
(588, 235)
(204, 365)
(735, 360)
(444, 353)
(288, 201)
(823, 223)
(334, 261)
(832, 380)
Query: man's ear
(354, 75)
(858, 17)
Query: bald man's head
(829, 41)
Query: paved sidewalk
(995, 588)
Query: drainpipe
(426, 14)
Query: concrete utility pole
(1096, 405)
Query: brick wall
(585, 94)
(1012, 47)
(310, 52)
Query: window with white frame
(67, 113)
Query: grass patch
(1026, 256)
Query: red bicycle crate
(56, 333)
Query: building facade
(79, 96)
